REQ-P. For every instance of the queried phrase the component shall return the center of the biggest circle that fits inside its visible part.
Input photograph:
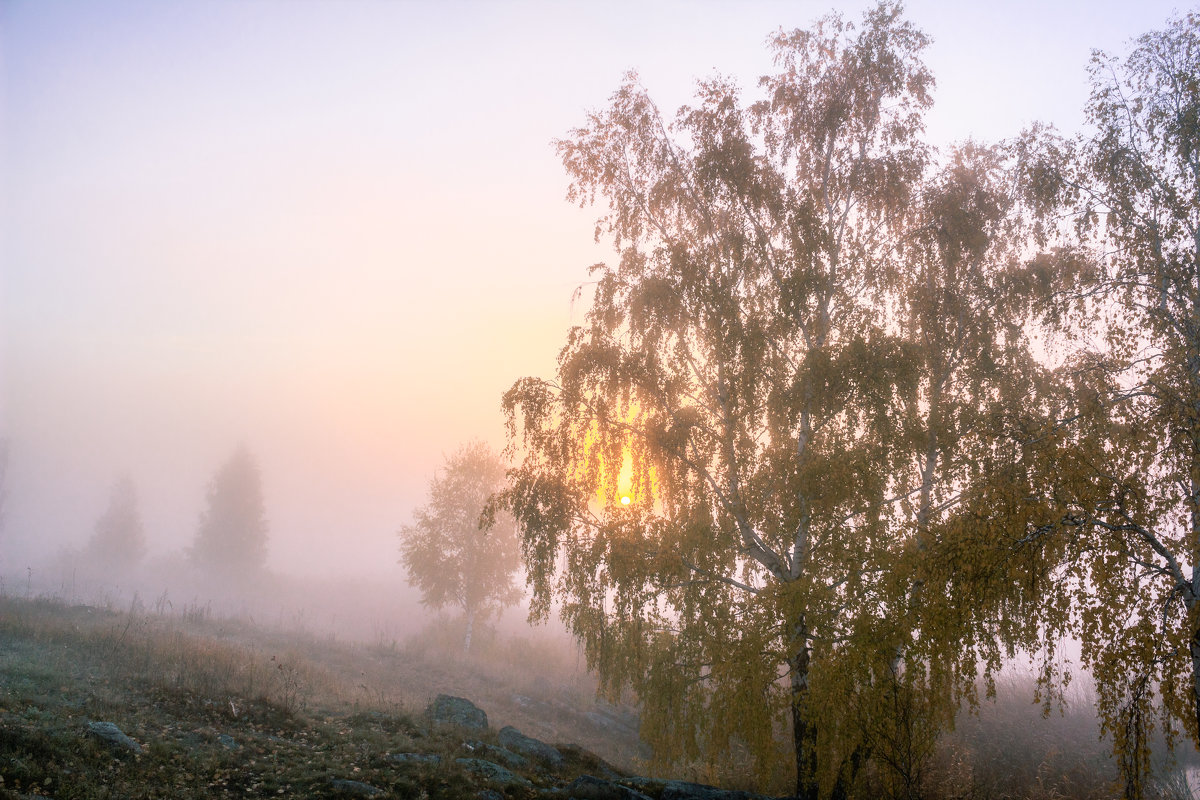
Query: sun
(609, 464)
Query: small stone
(355, 788)
(683, 790)
(114, 737)
(422, 759)
(499, 754)
(587, 787)
(492, 772)
(589, 761)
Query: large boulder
(516, 741)
(458, 711)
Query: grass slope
(222, 709)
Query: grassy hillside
(223, 709)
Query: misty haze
(615, 400)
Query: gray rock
(421, 759)
(513, 739)
(586, 787)
(355, 788)
(594, 765)
(457, 711)
(228, 742)
(499, 754)
(492, 772)
(683, 790)
(113, 736)
(489, 794)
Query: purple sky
(336, 230)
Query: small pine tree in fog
(3, 474)
(450, 553)
(232, 536)
(119, 539)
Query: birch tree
(1126, 487)
(452, 552)
(778, 387)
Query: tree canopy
(454, 553)
(1124, 493)
(802, 356)
(847, 425)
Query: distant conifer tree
(232, 536)
(3, 474)
(119, 539)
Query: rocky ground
(105, 705)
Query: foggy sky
(335, 231)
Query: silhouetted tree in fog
(3, 474)
(119, 539)
(455, 555)
(233, 527)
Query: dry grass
(1010, 748)
(305, 706)
(299, 709)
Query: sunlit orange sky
(335, 231)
